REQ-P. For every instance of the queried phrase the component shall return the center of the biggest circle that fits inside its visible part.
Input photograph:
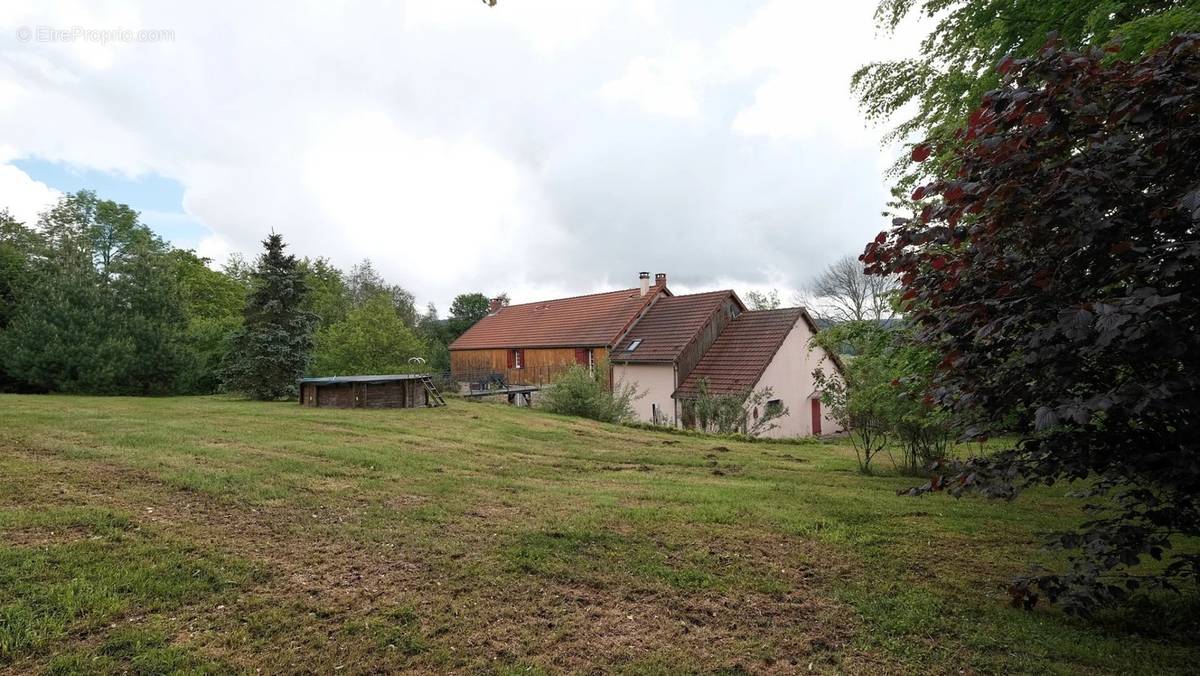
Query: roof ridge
(798, 308)
(704, 293)
(584, 295)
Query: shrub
(579, 392)
(884, 395)
(730, 413)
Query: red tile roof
(741, 353)
(669, 325)
(594, 320)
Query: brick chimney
(644, 282)
(660, 280)
(494, 305)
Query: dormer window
(634, 345)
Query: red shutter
(581, 356)
(512, 354)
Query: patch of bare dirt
(44, 537)
(589, 627)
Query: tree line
(93, 302)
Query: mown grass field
(210, 535)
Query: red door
(816, 416)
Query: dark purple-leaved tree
(1059, 274)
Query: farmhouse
(532, 343)
(664, 343)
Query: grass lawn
(209, 535)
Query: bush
(883, 395)
(579, 392)
(730, 413)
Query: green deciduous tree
(329, 296)
(958, 59)
(213, 302)
(465, 310)
(109, 232)
(436, 335)
(365, 283)
(883, 394)
(763, 300)
(469, 306)
(372, 340)
(273, 348)
(862, 398)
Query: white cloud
(661, 86)
(808, 54)
(541, 147)
(215, 248)
(430, 204)
(24, 197)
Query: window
(775, 407)
(634, 345)
(585, 357)
(516, 359)
(654, 413)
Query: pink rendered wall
(790, 376)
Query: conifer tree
(272, 349)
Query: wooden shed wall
(393, 394)
(399, 394)
(541, 364)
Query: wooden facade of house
(525, 365)
(533, 343)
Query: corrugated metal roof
(741, 353)
(594, 320)
(669, 325)
(335, 380)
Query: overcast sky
(539, 147)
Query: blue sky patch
(157, 198)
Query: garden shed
(410, 390)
